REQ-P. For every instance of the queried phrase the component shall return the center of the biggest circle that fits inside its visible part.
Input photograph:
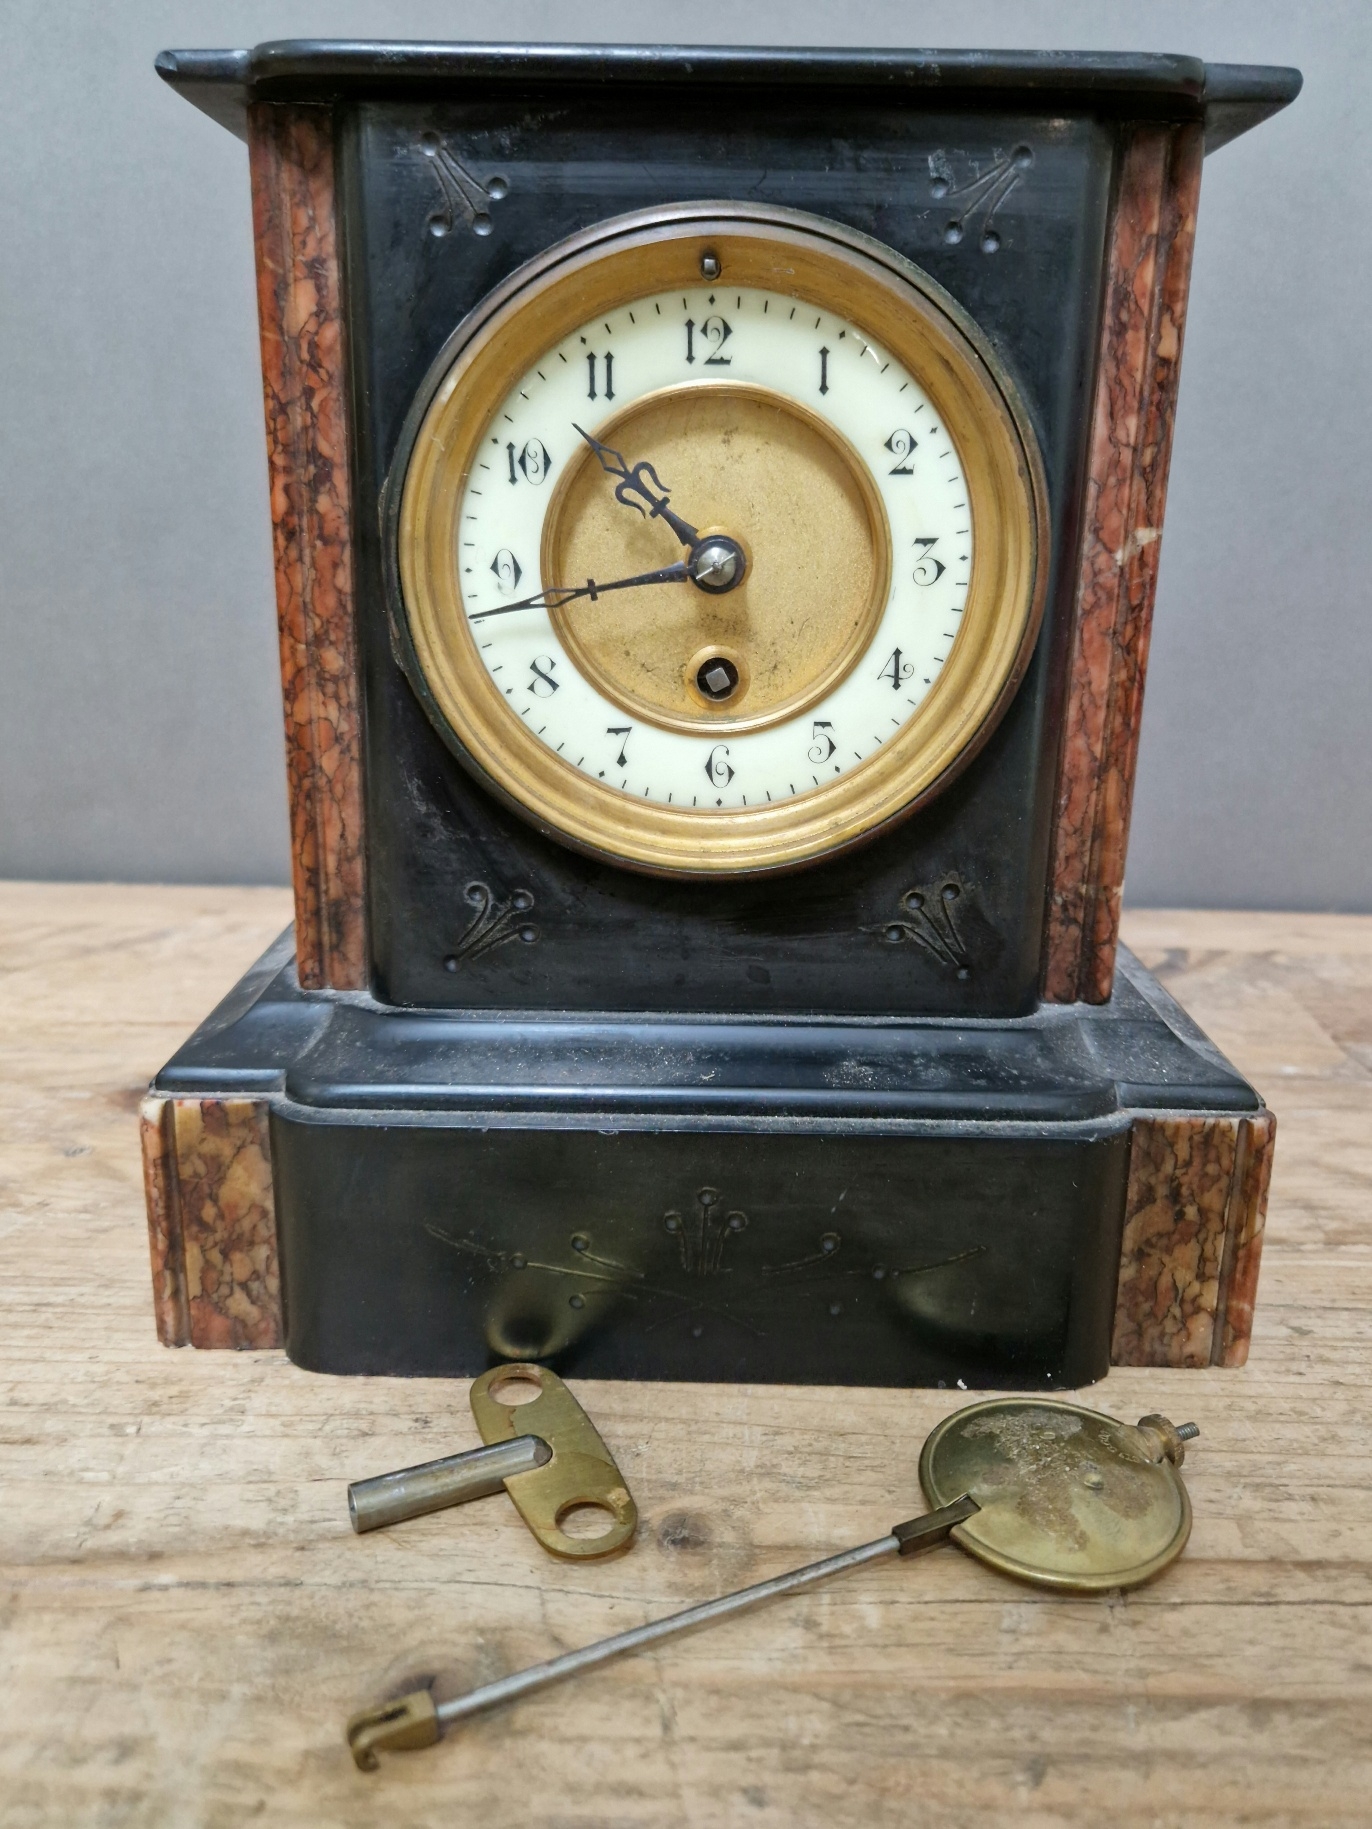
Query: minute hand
(559, 594)
(632, 484)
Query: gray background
(140, 732)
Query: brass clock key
(1049, 1492)
(542, 1448)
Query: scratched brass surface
(752, 464)
(581, 1473)
(1069, 1498)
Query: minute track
(819, 508)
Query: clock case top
(1001, 176)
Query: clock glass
(719, 542)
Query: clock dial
(739, 566)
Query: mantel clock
(716, 499)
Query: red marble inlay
(301, 318)
(1148, 271)
(212, 1222)
(1234, 1327)
(1193, 1223)
(164, 1224)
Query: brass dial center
(791, 568)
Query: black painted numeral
(609, 388)
(541, 681)
(824, 371)
(822, 744)
(533, 462)
(690, 340)
(902, 446)
(625, 731)
(928, 569)
(717, 770)
(897, 669)
(508, 571)
(716, 333)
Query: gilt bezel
(787, 252)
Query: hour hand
(641, 488)
(559, 594)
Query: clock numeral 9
(902, 446)
(928, 569)
(533, 462)
(822, 744)
(541, 681)
(717, 770)
(508, 571)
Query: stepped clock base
(1015, 1203)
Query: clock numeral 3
(928, 569)
(902, 446)
(717, 770)
(541, 681)
(533, 462)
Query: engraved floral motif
(495, 923)
(464, 195)
(928, 918)
(984, 191)
(702, 1236)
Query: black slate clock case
(607, 938)
(807, 1127)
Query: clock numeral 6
(928, 569)
(533, 461)
(902, 445)
(717, 770)
(508, 571)
(822, 744)
(541, 681)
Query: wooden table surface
(187, 1618)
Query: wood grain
(1148, 270)
(300, 313)
(187, 1618)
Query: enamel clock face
(720, 541)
